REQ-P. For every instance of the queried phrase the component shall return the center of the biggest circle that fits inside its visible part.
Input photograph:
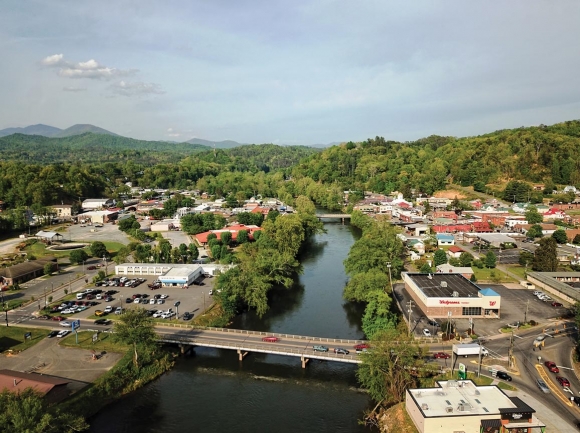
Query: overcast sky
(292, 72)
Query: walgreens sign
(446, 302)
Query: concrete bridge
(341, 216)
(245, 342)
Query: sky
(289, 72)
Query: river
(214, 392)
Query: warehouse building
(441, 294)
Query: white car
(108, 309)
(62, 333)
(99, 296)
(152, 301)
(160, 301)
(67, 311)
(537, 293)
(426, 333)
(65, 324)
(119, 310)
(158, 314)
(137, 301)
(164, 296)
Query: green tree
(439, 258)
(216, 251)
(48, 268)
(78, 256)
(127, 223)
(545, 256)
(193, 251)
(386, 370)
(526, 258)
(533, 216)
(576, 240)
(378, 317)
(490, 260)
(136, 328)
(98, 249)
(426, 269)
(535, 231)
(242, 237)
(362, 284)
(121, 255)
(28, 411)
(226, 238)
(560, 236)
(465, 259)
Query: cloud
(74, 89)
(90, 69)
(136, 88)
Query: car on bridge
(341, 351)
(270, 339)
(361, 346)
(319, 348)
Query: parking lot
(514, 303)
(193, 299)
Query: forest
(44, 171)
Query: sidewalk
(553, 422)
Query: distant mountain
(40, 129)
(81, 129)
(227, 144)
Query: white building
(97, 203)
(181, 275)
(462, 406)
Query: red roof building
(478, 227)
(201, 238)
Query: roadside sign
(95, 337)
(75, 324)
(462, 371)
(27, 335)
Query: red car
(270, 339)
(441, 355)
(58, 318)
(563, 381)
(556, 304)
(361, 346)
(91, 268)
(552, 366)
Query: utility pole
(410, 305)
(511, 350)
(526, 312)
(390, 280)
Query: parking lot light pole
(390, 280)
(203, 293)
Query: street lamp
(105, 259)
(176, 305)
(203, 293)
(4, 307)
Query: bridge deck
(251, 341)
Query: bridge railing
(262, 334)
(266, 348)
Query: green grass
(12, 338)
(105, 343)
(520, 271)
(14, 304)
(485, 275)
(503, 385)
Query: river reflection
(214, 392)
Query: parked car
(556, 304)
(503, 375)
(108, 309)
(91, 268)
(52, 334)
(128, 301)
(99, 313)
(563, 381)
(319, 348)
(552, 366)
(152, 301)
(160, 301)
(164, 296)
(43, 317)
(270, 339)
(341, 351)
(187, 316)
(441, 355)
(426, 332)
(119, 310)
(137, 300)
(433, 323)
(62, 333)
(102, 322)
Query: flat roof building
(462, 406)
(181, 275)
(439, 294)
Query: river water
(214, 392)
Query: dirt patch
(396, 419)
(450, 194)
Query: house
(62, 210)
(554, 214)
(454, 251)
(445, 239)
(99, 216)
(417, 245)
(418, 229)
(547, 229)
(53, 389)
(26, 271)
(97, 203)
(570, 188)
(446, 268)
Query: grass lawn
(518, 270)
(485, 275)
(12, 338)
(105, 342)
(503, 385)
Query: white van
(80, 296)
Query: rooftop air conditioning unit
(425, 406)
(449, 409)
(443, 283)
(455, 294)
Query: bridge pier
(185, 348)
(304, 361)
(242, 355)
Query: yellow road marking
(550, 384)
